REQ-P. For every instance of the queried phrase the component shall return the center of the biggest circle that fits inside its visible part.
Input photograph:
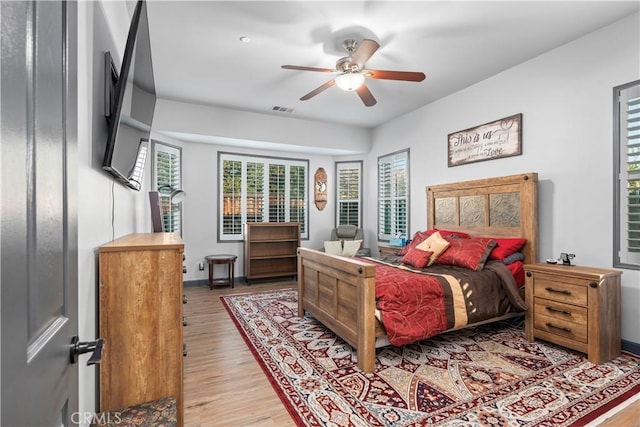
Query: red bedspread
(418, 304)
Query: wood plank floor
(225, 386)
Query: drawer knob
(558, 291)
(593, 284)
(529, 274)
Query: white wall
(565, 97)
(233, 126)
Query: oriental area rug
(489, 375)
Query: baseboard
(194, 283)
(631, 347)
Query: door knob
(81, 347)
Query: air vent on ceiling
(282, 109)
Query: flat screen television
(130, 101)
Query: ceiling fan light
(350, 81)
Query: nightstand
(576, 307)
(386, 249)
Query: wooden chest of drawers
(576, 307)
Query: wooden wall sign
(320, 188)
(501, 138)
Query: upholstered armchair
(350, 232)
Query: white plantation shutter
(298, 196)
(261, 189)
(348, 193)
(255, 180)
(168, 171)
(231, 196)
(628, 177)
(393, 195)
(277, 192)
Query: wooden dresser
(576, 307)
(271, 249)
(141, 320)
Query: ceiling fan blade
(410, 76)
(317, 90)
(367, 97)
(364, 52)
(301, 68)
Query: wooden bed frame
(340, 292)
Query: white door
(39, 224)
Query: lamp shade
(350, 81)
(176, 196)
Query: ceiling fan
(351, 73)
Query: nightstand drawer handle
(551, 325)
(558, 291)
(555, 310)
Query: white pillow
(351, 247)
(333, 247)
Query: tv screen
(132, 103)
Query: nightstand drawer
(573, 331)
(565, 289)
(561, 312)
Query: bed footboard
(340, 293)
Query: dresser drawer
(564, 289)
(563, 328)
(560, 311)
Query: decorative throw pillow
(351, 247)
(417, 258)
(418, 237)
(506, 246)
(470, 253)
(434, 243)
(333, 247)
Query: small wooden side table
(228, 259)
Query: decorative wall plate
(320, 188)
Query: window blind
(168, 172)
(261, 189)
(393, 195)
(349, 193)
(628, 180)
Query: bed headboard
(505, 206)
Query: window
(349, 193)
(167, 176)
(627, 176)
(393, 195)
(261, 189)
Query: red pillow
(505, 247)
(418, 238)
(470, 253)
(417, 257)
(517, 269)
(448, 233)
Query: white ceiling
(198, 56)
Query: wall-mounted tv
(130, 101)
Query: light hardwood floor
(224, 385)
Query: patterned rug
(484, 376)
